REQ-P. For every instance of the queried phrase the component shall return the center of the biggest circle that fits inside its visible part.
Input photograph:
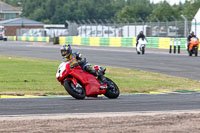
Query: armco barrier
(104, 41)
(28, 38)
(11, 38)
(153, 42)
(94, 41)
(128, 42)
(163, 43)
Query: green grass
(35, 76)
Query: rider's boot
(102, 79)
(105, 83)
(93, 72)
(99, 75)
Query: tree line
(57, 11)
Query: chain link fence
(111, 28)
(101, 28)
(42, 32)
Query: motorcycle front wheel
(78, 93)
(196, 52)
(190, 52)
(143, 50)
(112, 91)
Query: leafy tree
(189, 9)
(137, 9)
(14, 2)
(163, 9)
(58, 11)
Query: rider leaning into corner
(140, 35)
(191, 35)
(76, 58)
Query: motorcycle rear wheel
(190, 52)
(71, 89)
(113, 92)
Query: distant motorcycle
(141, 46)
(79, 83)
(193, 47)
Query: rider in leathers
(140, 35)
(191, 35)
(77, 59)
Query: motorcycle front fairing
(141, 42)
(194, 43)
(89, 81)
(61, 72)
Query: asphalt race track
(154, 61)
(125, 103)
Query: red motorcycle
(79, 83)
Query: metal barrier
(153, 42)
(119, 28)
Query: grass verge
(20, 75)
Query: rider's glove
(71, 66)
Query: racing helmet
(66, 50)
(191, 32)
